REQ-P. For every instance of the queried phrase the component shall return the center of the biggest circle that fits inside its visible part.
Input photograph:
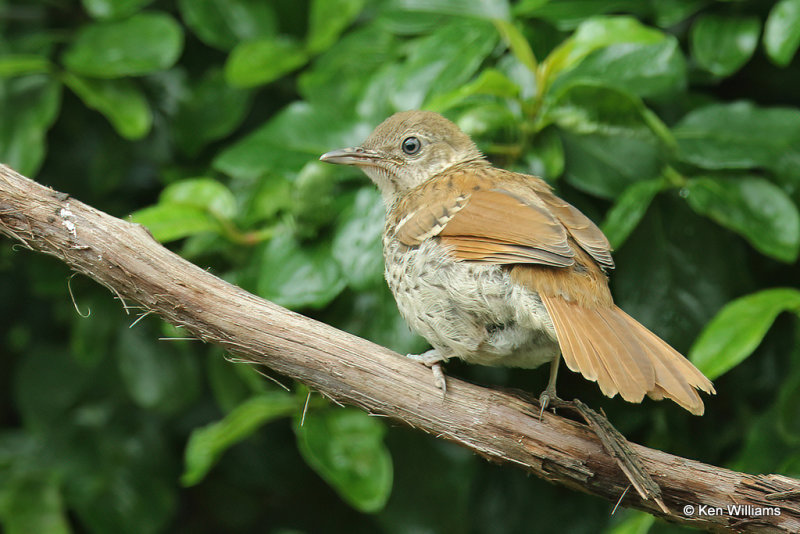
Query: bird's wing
(581, 229)
(494, 216)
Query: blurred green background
(675, 124)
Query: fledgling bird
(491, 267)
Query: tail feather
(572, 349)
(580, 354)
(631, 367)
(693, 376)
(677, 378)
(608, 346)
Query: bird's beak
(358, 156)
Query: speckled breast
(468, 310)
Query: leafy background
(675, 124)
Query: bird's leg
(549, 394)
(432, 359)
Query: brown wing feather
(490, 226)
(581, 228)
(583, 283)
(498, 217)
(468, 248)
(499, 209)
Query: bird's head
(406, 150)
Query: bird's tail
(608, 346)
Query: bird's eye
(411, 145)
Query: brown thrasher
(491, 267)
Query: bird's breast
(470, 310)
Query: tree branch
(499, 426)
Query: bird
(490, 266)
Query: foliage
(676, 125)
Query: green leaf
(295, 276)
(596, 33)
(339, 76)
(155, 378)
(207, 444)
(782, 31)
(33, 504)
(225, 23)
(204, 193)
(517, 43)
(262, 61)
(315, 214)
(188, 207)
(528, 7)
(486, 119)
(722, 44)
(377, 101)
(442, 61)
(113, 9)
(610, 139)
(645, 70)
(328, 19)
(168, 222)
(737, 135)
(210, 110)
(546, 155)
(628, 210)
(485, 9)
(143, 43)
(567, 14)
(19, 64)
(669, 13)
(755, 208)
(273, 194)
(120, 101)
(28, 107)
(593, 108)
(345, 447)
(357, 243)
(397, 21)
(295, 135)
(738, 329)
(520, 75)
(490, 82)
(315, 199)
(605, 165)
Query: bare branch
(499, 426)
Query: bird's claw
(547, 396)
(433, 360)
(438, 377)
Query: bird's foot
(548, 397)
(434, 360)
